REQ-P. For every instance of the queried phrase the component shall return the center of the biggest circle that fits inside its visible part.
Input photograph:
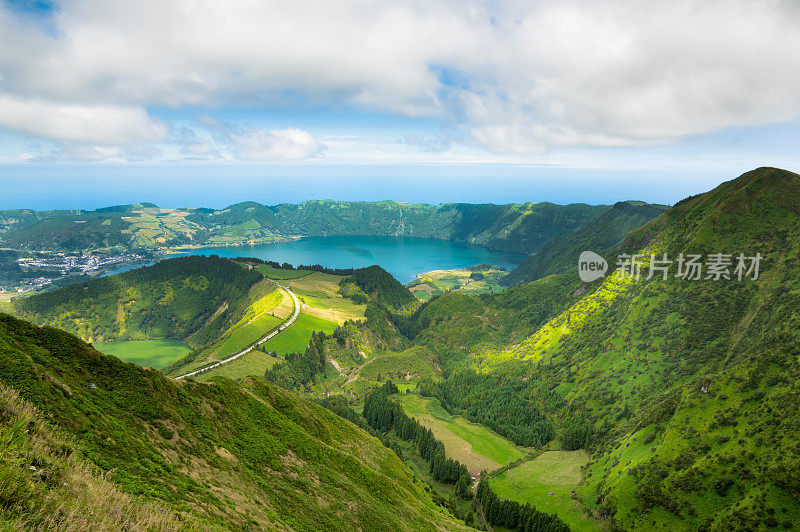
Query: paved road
(275, 332)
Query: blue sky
(207, 103)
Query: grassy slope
(458, 323)
(691, 386)
(560, 255)
(296, 337)
(256, 321)
(229, 454)
(45, 484)
(253, 364)
(319, 293)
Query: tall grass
(45, 485)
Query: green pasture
(547, 482)
(254, 363)
(295, 338)
(244, 335)
(476, 446)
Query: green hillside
(684, 391)
(192, 299)
(602, 235)
(220, 454)
(380, 286)
(46, 485)
(687, 389)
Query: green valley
(399, 265)
(635, 402)
(474, 445)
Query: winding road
(264, 339)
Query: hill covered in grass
(192, 299)
(684, 390)
(219, 454)
(45, 484)
(602, 236)
(520, 228)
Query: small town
(52, 267)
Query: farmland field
(546, 483)
(320, 295)
(254, 363)
(476, 446)
(296, 337)
(153, 353)
(437, 282)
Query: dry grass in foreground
(44, 485)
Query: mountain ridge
(512, 227)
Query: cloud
(518, 77)
(216, 139)
(99, 124)
(287, 144)
(142, 153)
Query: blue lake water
(403, 257)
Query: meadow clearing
(547, 482)
(437, 282)
(476, 446)
(254, 363)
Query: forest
(383, 415)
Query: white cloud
(513, 76)
(100, 124)
(285, 144)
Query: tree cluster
(376, 281)
(383, 415)
(310, 267)
(502, 405)
(300, 369)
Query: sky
(208, 102)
